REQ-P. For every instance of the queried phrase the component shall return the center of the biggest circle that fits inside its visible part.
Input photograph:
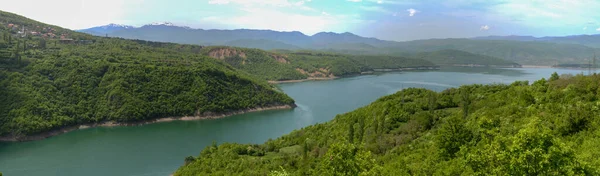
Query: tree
(554, 77)
(346, 159)
(42, 43)
(351, 133)
(452, 135)
(189, 160)
(465, 101)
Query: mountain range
(520, 49)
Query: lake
(159, 149)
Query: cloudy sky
(398, 20)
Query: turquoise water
(159, 149)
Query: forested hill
(548, 127)
(52, 78)
(295, 65)
(457, 57)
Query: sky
(399, 20)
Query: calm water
(159, 149)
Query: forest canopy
(548, 127)
(49, 83)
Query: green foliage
(256, 62)
(346, 159)
(279, 173)
(452, 135)
(554, 76)
(287, 65)
(108, 79)
(546, 128)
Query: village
(46, 33)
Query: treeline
(109, 79)
(548, 127)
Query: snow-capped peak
(166, 24)
(113, 25)
(162, 24)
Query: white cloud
(218, 2)
(354, 0)
(325, 13)
(585, 28)
(540, 13)
(598, 29)
(379, 2)
(484, 28)
(412, 12)
(282, 21)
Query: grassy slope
(546, 128)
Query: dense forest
(49, 82)
(548, 127)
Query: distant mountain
(462, 58)
(106, 29)
(177, 34)
(520, 49)
(587, 40)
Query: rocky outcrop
(320, 73)
(222, 53)
(280, 58)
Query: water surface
(159, 149)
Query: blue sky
(398, 20)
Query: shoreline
(205, 116)
(357, 74)
(303, 80)
(535, 66)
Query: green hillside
(545, 128)
(48, 83)
(457, 57)
(293, 65)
